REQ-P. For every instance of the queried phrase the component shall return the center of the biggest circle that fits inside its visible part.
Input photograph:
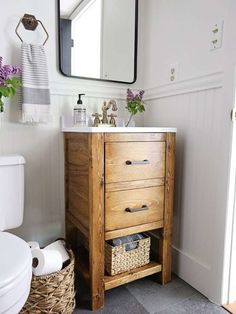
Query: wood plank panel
(118, 154)
(116, 216)
(130, 185)
(147, 270)
(132, 230)
(77, 185)
(135, 137)
(166, 240)
(96, 218)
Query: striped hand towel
(35, 85)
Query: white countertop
(69, 127)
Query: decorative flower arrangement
(135, 103)
(8, 84)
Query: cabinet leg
(96, 220)
(165, 258)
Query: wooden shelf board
(134, 274)
(131, 230)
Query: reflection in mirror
(98, 39)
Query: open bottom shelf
(134, 274)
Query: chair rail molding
(193, 84)
(95, 90)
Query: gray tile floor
(146, 296)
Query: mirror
(98, 39)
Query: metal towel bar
(30, 23)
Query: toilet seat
(15, 274)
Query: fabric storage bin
(54, 293)
(119, 259)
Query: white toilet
(15, 254)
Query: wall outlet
(173, 71)
(216, 35)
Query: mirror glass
(98, 39)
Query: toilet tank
(11, 191)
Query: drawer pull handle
(137, 162)
(139, 209)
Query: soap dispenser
(79, 112)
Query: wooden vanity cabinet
(118, 184)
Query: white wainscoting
(202, 165)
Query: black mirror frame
(96, 79)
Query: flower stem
(127, 124)
(1, 104)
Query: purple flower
(7, 70)
(16, 69)
(132, 97)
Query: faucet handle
(112, 120)
(96, 119)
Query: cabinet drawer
(133, 207)
(130, 161)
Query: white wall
(198, 104)
(178, 33)
(42, 145)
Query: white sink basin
(67, 126)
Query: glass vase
(130, 122)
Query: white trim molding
(194, 84)
(191, 270)
(94, 89)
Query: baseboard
(191, 270)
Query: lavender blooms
(6, 71)
(132, 97)
(8, 83)
(135, 103)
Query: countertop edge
(119, 130)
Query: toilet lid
(15, 257)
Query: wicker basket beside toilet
(53, 293)
(119, 260)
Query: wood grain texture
(231, 308)
(118, 153)
(96, 218)
(116, 217)
(166, 240)
(76, 173)
(132, 230)
(130, 185)
(121, 279)
(135, 137)
(88, 213)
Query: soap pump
(80, 112)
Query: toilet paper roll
(46, 262)
(33, 245)
(59, 247)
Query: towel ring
(30, 23)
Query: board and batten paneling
(202, 165)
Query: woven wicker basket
(53, 293)
(118, 260)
